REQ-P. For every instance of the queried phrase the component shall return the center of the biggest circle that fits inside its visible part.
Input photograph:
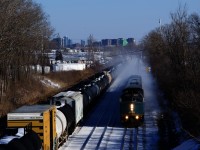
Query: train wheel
(15, 144)
(35, 140)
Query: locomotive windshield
(132, 95)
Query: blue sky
(77, 19)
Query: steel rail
(97, 124)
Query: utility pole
(160, 24)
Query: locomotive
(47, 126)
(132, 102)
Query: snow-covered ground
(190, 144)
(49, 83)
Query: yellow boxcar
(42, 119)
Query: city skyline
(66, 42)
(111, 19)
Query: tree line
(24, 35)
(173, 51)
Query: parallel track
(109, 122)
(130, 139)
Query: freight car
(132, 102)
(70, 103)
(48, 126)
(41, 119)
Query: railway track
(106, 133)
(106, 137)
(130, 140)
(96, 126)
(105, 120)
(103, 130)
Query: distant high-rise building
(82, 43)
(106, 42)
(58, 42)
(114, 42)
(65, 41)
(131, 41)
(69, 43)
(96, 44)
(119, 41)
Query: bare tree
(22, 26)
(173, 52)
(91, 49)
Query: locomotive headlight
(126, 117)
(131, 107)
(137, 117)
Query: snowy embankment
(50, 83)
(190, 144)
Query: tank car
(71, 104)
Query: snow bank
(50, 83)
